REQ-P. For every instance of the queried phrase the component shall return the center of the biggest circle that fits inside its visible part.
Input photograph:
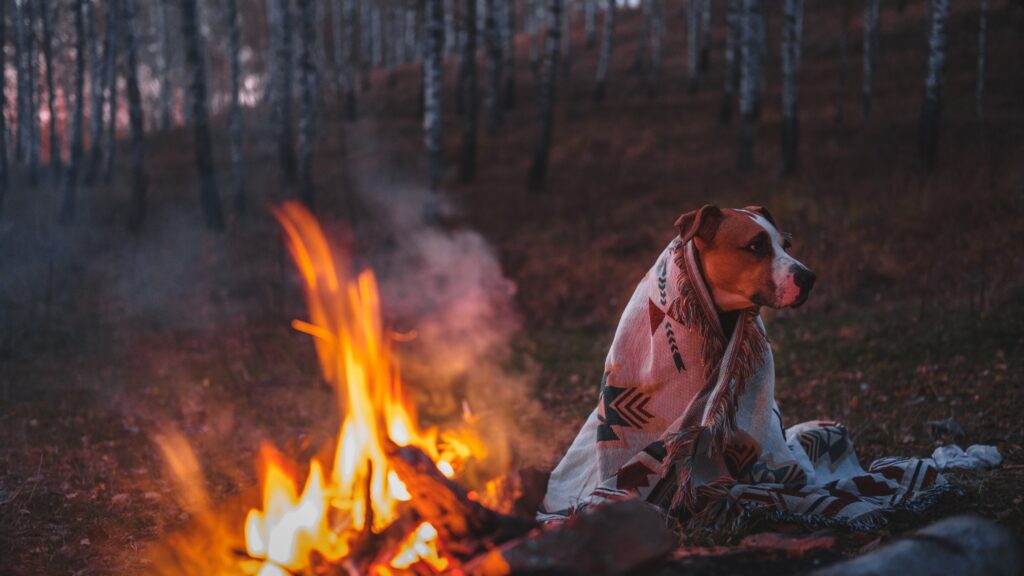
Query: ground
(109, 341)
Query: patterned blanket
(687, 419)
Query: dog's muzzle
(804, 280)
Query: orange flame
(357, 358)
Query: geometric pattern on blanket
(687, 419)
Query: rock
(961, 545)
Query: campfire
(385, 503)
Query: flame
(358, 491)
(420, 546)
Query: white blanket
(687, 419)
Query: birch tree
(235, 113)
(731, 73)
(33, 94)
(871, 8)
(539, 167)
(645, 36)
(68, 205)
(113, 33)
(657, 41)
(692, 43)
(135, 119)
(209, 197)
(47, 17)
(750, 72)
(307, 71)
(467, 157)
(792, 35)
(509, 33)
(705, 36)
(931, 105)
(283, 95)
(96, 87)
(979, 85)
(342, 14)
(22, 95)
(433, 74)
(566, 56)
(492, 42)
(589, 21)
(163, 67)
(844, 62)
(605, 55)
(4, 176)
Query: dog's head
(744, 258)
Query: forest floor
(109, 341)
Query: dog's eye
(787, 244)
(756, 246)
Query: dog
(690, 372)
(745, 258)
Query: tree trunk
(283, 103)
(96, 86)
(209, 197)
(163, 68)
(365, 41)
(844, 62)
(589, 20)
(539, 168)
(33, 96)
(4, 176)
(492, 37)
(692, 43)
(979, 86)
(307, 85)
(139, 181)
(341, 24)
(657, 41)
(47, 16)
(68, 206)
(931, 106)
(645, 36)
(567, 39)
(235, 113)
(750, 72)
(870, 51)
(21, 65)
(467, 158)
(604, 58)
(509, 32)
(791, 39)
(113, 45)
(273, 42)
(450, 39)
(433, 79)
(731, 73)
(705, 37)
(533, 25)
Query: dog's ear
(763, 212)
(703, 222)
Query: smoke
(444, 286)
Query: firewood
(466, 527)
(613, 539)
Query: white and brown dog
(690, 370)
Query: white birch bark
(931, 106)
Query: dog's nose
(804, 279)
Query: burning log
(466, 527)
(623, 537)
